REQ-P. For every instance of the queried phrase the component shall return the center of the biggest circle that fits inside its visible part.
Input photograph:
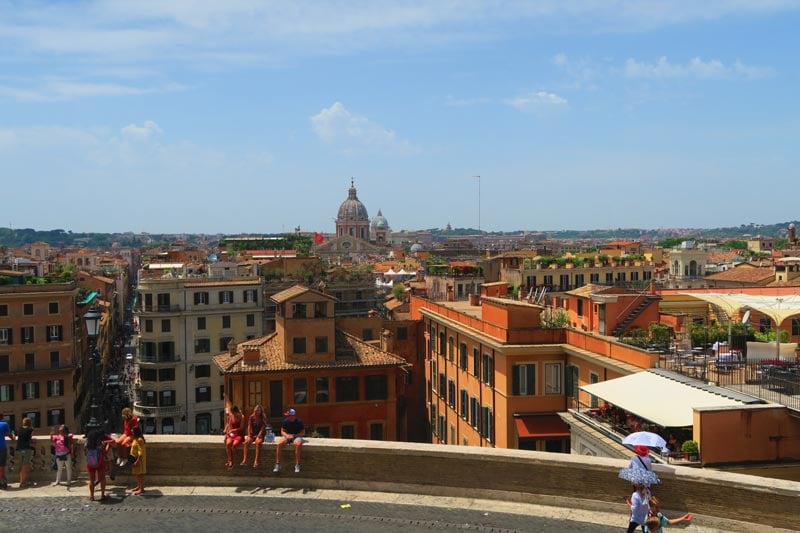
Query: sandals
(255, 465)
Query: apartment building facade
(38, 353)
(182, 322)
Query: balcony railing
(154, 359)
(158, 309)
(153, 411)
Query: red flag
(318, 238)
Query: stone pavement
(181, 508)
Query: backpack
(93, 458)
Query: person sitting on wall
(292, 431)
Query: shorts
(101, 467)
(299, 440)
(3, 457)
(237, 439)
(25, 457)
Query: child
(139, 451)
(657, 520)
(640, 507)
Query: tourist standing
(25, 450)
(5, 430)
(63, 441)
(139, 451)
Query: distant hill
(11, 238)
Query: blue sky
(252, 116)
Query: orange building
(341, 386)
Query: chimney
(231, 348)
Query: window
(300, 387)
(593, 378)
(321, 387)
(609, 278)
(795, 327)
(202, 424)
(487, 424)
(366, 334)
(165, 326)
(30, 361)
(148, 302)
(474, 414)
(202, 371)
(3, 310)
(523, 380)
(440, 349)
(488, 369)
(442, 384)
(5, 336)
(166, 351)
(52, 308)
(36, 418)
(224, 342)
(226, 297)
(451, 393)
(433, 374)
(579, 310)
(376, 387)
(579, 280)
(166, 374)
(250, 295)
(594, 278)
(548, 280)
(348, 431)
(563, 282)
(148, 350)
(572, 381)
(30, 390)
(323, 431)
(299, 345)
(27, 335)
(552, 378)
(462, 356)
(55, 388)
(320, 310)
(202, 394)
(27, 309)
(163, 301)
(464, 404)
(226, 321)
(201, 298)
(6, 393)
(254, 393)
(347, 389)
(321, 344)
(402, 333)
(149, 398)
(476, 363)
(298, 310)
(168, 426)
(376, 431)
(764, 324)
(55, 360)
(148, 374)
(55, 417)
(250, 320)
(451, 348)
(148, 326)
(202, 345)
(201, 323)
(166, 398)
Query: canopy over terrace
(778, 308)
(663, 397)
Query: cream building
(182, 322)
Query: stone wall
(511, 475)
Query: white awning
(656, 398)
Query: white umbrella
(645, 438)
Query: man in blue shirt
(4, 431)
(292, 431)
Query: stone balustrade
(510, 475)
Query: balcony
(153, 411)
(157, 359)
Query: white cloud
(146, 131)
(537, 101)
(337, 125)
(55, 90)
(694, 68)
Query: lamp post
(92, 319)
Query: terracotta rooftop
(744, 273)
(296, 290)
(351, 352)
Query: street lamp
(92, 320)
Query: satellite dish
(746, 317)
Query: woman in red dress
(234, 433)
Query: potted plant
(690, 450)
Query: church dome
(416, 247)
(352, 209)
(380, 222)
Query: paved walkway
(229, 508)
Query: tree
(399, 291)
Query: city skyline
(251, 117)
